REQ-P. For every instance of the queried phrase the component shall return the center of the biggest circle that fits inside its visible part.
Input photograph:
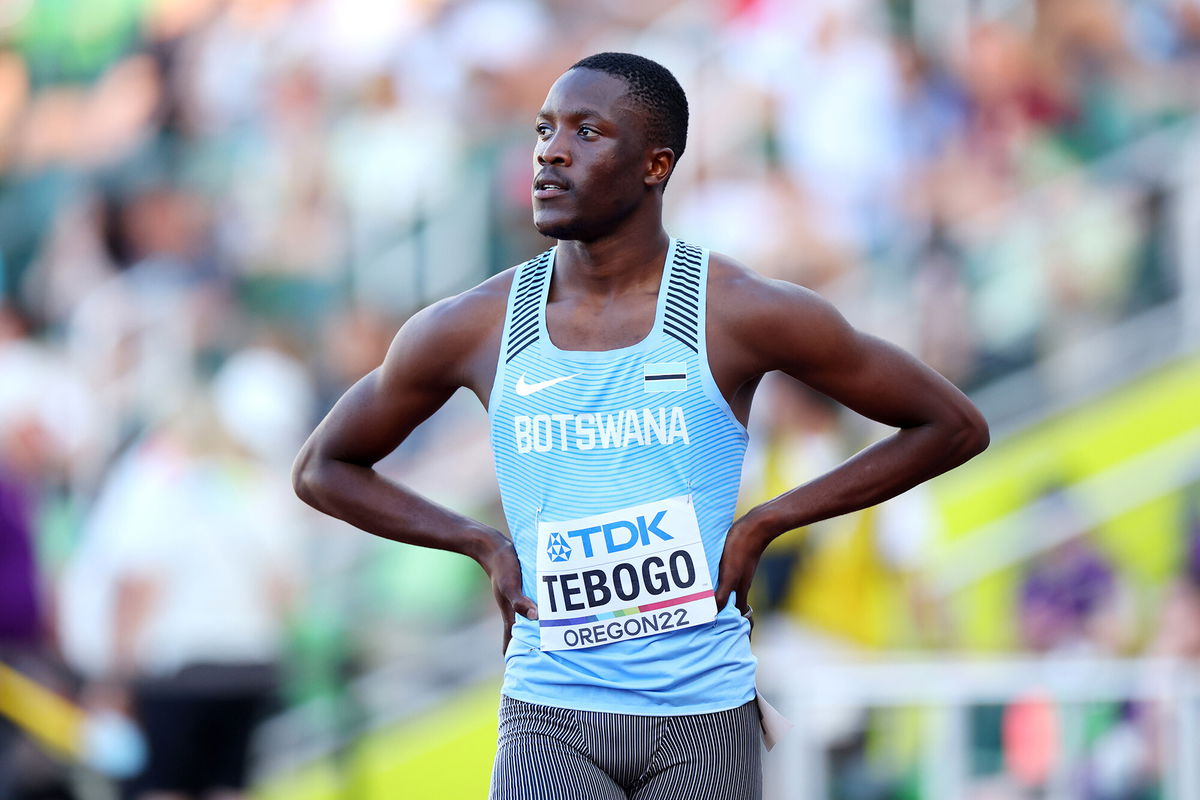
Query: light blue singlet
(619, 472)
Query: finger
(502, 604)
(506, 612)
(743, 595)
(721, 596)
(726, 586)
(524, 606)
(506, 619)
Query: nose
(552, 150)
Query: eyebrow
(578, 112)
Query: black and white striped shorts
(549, 753)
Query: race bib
(625, 574)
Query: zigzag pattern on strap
(523, 325)
(682, 318)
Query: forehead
(587, 90)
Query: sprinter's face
(591, 159)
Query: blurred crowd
(215, 213)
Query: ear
(659, 166)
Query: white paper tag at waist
(624, 574)
(774, 725)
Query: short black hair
(654, 88)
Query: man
(618, 369)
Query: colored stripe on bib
(625, 612)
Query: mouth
(545, 187)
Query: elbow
(974, 434)
(305, 478)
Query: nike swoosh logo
(525, 389)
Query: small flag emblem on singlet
(666, 376)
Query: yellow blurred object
(1117, 429)
(847, 589)
(319, 780)
(839, 589)
(445, 753)
(52, 720)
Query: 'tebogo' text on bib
(624, 574)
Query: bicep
(863, 372)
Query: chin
(565, 224)
(562, 229)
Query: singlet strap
(522, 328)
(682, 317)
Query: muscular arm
(335, 469)
(777, 326)
(447, 346)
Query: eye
(588, 132)
(543, 130)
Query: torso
(615, 450)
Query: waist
(686, 671)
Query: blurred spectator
(836, 101)
(31, 463)
(198, 549)
(22, 616)
(25, 771)
(138, 334)
(1072, 598)
(1072, 601)
(265, 401)
(1142, 751)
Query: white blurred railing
(1187, 231)
(946, 689)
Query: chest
(578, 325)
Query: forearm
(882, 471)
(367, 500)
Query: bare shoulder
(456, 339)
(768, 322)
(734, 287)
(477, 310)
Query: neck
(620, 261)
